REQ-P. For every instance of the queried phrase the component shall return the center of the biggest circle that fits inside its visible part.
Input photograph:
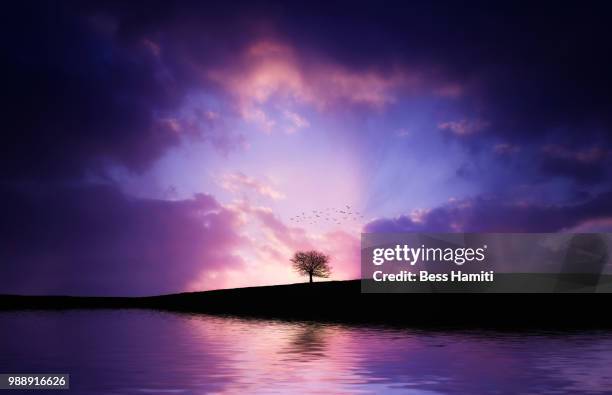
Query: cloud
(94, 240)
(195, 122)
(104, 87)
(553, 82)
(464, 127)
(482, 214)
(591, 155)
(271, 72)
(584, 166)
(270, 68)
(57, 100)
(239, 182)
(296, 121)
(271, 243)
(452, 90)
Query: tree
(312, 263)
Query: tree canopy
(312, 263)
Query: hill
(342, 301)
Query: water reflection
(129, 352)
(308, 343)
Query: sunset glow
(171, 150)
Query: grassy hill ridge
(342, 301)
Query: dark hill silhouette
(342, 301)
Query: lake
(150, 352)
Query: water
(148, 352)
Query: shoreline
(343, 302)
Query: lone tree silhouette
(312, 263)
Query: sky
(170, 147)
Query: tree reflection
(308, 342)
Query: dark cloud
(483, 214)
(528, 72)
(530, 67)
(86, 86)
(536, 73)
(75, 101)
(579, 171)
(97, 241)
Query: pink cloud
(464, 127)
(589, 155)
(270, 70)
(99, 241)
(343, 247)
(195, 122)
(269, 245)
(239, 182)
(453, 90)
(296, 121)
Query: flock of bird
(329, 215)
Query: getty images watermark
(485, 262)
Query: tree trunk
(310, 277)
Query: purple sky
(169, 147)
